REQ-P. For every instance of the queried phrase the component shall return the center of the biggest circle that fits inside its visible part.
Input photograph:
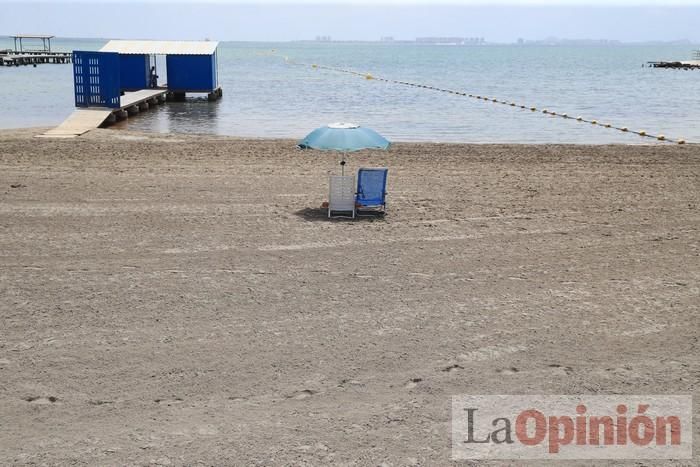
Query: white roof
(32, 36)
(161, 47)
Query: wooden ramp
(85, 119)
(80, 122)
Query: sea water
(266, 96)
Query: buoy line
(368, 76)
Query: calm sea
(265, 97)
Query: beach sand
(183, 300)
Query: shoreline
(37, 130)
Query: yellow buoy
(642, 133)
(624, 128)
(594, 122)
(579, 118)
(314, 66)
(681, 141)
(607, 125)
(545, 111)
(661, 137)
(565, 115)
(534, 109)
(368, 76)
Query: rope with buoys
(368, 76)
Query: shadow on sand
(321, 215)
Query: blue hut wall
(134, 72)
(96, 79)
(192, 73)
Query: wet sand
(182, 300)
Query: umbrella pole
(342, 164)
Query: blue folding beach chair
(371, 190)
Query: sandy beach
(183, 300)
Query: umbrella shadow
(321, 215)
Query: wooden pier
(693, 64)
(101, 80)
(686, 65)
(23, 56)
(85, 119)
(12, 58)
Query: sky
(409, 2)
(282, 20)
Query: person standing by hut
(153, 78)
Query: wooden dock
(23, 56)
(12, 58)
(685, 65)
(693, 64)
(85, 119)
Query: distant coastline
(428, 41)
(466, 42)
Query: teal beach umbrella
(344, 137)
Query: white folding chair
(341, 197)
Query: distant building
(451, 40)
(323, 38)
(387, 39)
(555, 41)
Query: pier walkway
(685, 65)
(21, 55)
(11, 58)
(83, 120)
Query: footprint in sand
(237, 398)
(169, 402)
(349, 382)
(41, 400)
(566, 369)
(413, 383)
(301, 395)
(453, 367)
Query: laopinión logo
(571, 427)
